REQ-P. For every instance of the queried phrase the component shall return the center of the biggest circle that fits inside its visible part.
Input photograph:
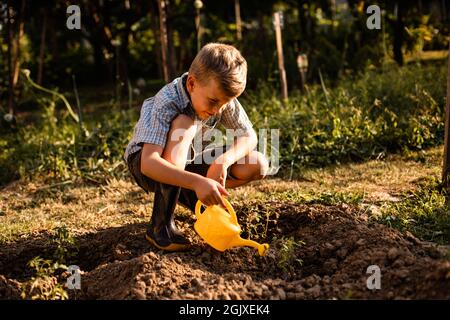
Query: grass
(424, 212)
(34, 207)
(399, 186)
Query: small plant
(65, 245)
(44, 285)
(287, 259)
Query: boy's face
(207, 100)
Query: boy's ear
(190, 82)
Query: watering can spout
(261, 247)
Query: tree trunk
(446, 165)
(279, 41)
(17, 44)
(399, 33)
(9, 40)
(42, 48)
(99, 63)
(301, 24)
(170, 47)
(305, 24)
(157, 49)
(163, 36)
(237, 10)
(14, 53)
(124, 53)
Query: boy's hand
(210, 192)
(218, 172)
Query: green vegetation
(285, 248)
(397, 109)
(379, 112)
(425, 213)
(44, 284)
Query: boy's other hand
(217, 172)
(210, 192)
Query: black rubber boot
(162, 231)
(188, 199)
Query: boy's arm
(156, 167)
(242, 146)
(244, 142)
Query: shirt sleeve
(235, 117)
(154, 122)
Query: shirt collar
(186, 103)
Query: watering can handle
(227, 204)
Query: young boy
(158, 153)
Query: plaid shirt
(158, 112)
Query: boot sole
(170, 247)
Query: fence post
(277, 23)
(446, 167)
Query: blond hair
(225, 64)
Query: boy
(157, 155)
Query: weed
(44, 285)
(65, 245)
(287, 259)
(425, 213)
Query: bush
(363, 118)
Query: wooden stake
(42, 49)
(446, 167)
(163, 34)
(237, 10)
(198, 28)
(277, 22)
(9, 37)
(16, 63)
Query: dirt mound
(317, 252)
(9, 289)
(338, 246)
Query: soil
(331, 250)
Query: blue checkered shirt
(158, 112)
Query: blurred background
(69, 98)
(120, 40)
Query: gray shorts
(197, 165)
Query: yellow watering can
(220, 229)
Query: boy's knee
(182, 127)
(182, 132)
(182, 121)
(262, 165)
(257, 165)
